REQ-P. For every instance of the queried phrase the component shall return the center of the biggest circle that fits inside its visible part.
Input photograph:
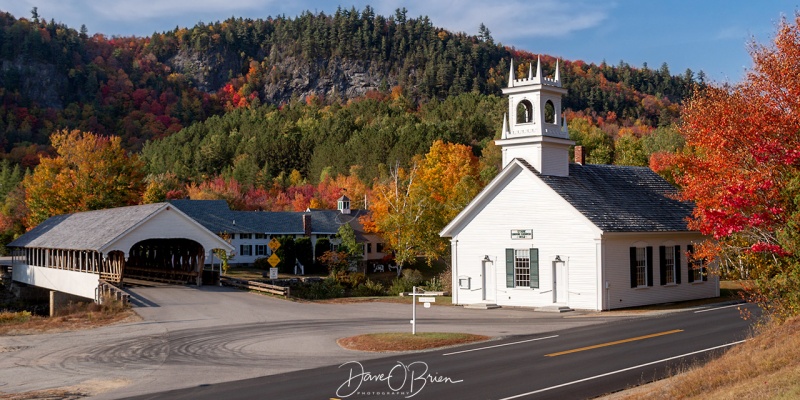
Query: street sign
(427, 305)
(427, 299)
(274, 260)
(273, 273)
(274, 244)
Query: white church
(555, 235)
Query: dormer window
(343, 204)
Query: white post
(414, 310)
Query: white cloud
(508, 20)
(145, 9)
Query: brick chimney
(580, 155)
(307, 224)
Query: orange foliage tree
(89, 172)
(411, 208)
(741, 168)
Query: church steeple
(535, 130)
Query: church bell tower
(534, 129)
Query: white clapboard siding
(525, 202)
(619, 294)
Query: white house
(251, 231)
(550, 233)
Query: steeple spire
(511, 74)
(504, 132)
(557, 77)
(530, 71)
(538, 70)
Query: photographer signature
(407, 379)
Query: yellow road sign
(274, 244)
(273, 259)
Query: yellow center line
(596, 346)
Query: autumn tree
(89, 172)
(410, 209)
(741, 168)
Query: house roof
(621, 198)
(217, 217)
(90, 230)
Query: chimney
(580, 155)
(307, 225)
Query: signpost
(427, 304)
(273, 260)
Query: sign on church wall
(517, 234)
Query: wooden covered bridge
(75, 253)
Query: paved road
(191, 336)
(578, 363)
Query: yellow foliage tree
(411, 208)
(89, 172)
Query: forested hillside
(280, 113)
(53, 76)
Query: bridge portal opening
(166, 260)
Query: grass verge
(73, 317)
(765, 367)
(394, 341)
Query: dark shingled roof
(216, 216)
(621, 198)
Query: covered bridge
(72, 253)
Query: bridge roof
(90, 230)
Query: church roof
(621, 198)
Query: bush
(262, 263)
(406, 283)
(369, 288)
(435, 285)
(328, 288)
(14, 317)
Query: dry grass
(440, 300)
(73, 317)
(766, 367)
(380, 342)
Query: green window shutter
(690, 264)
(534, 268)
(650, 266)
(510, 268)
(678, 264)
(662, 267)
(633, 267)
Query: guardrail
(257, 286)
(107, 290)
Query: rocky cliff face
(331, 78)
(207, 71)
(38, 82)
(288, 76)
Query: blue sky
(708, 35)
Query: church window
(522, 268)
(641, 262)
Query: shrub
(261, 263)
(328, 288)
(14, 317)
(406, 283)
(369, 288)
(435, 284)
